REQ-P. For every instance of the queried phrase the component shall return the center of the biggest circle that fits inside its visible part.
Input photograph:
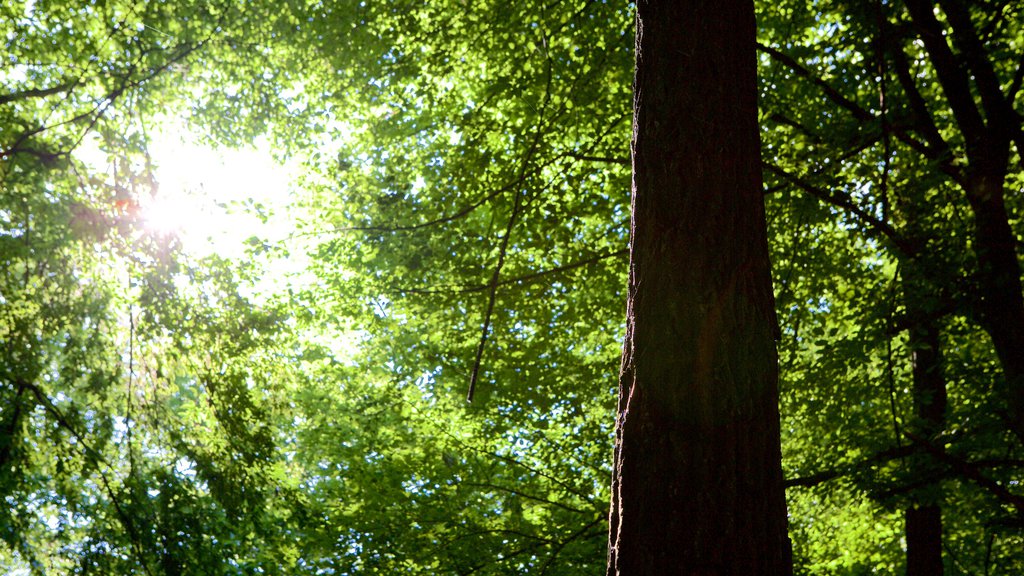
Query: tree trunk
(697, 486)
(987, 142)
(923, 517)
(923, 527)
(924, 541)
(1001, 301)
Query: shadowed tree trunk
(697, 486)
(923, 519)
(987, 138)
(922, 302)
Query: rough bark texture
(697, 486)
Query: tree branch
(37, 92)
(62, 421)
(563, 543)
(844, 202)
(503, 249)
(952, 77)
(517, 280)
(524, 495)
(923, 122)
(605, 159)
(978, 61)
(970, 471)
(859, 113)
(800, 70)
(812, 480)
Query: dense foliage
(463, 207)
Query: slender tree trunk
(923, 528)
(697, 486)
(924, 540)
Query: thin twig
(503, 249)
(468, 288)
(63, 422)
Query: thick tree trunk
(697, 486)
(1001, 301)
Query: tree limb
(37, 92)
(62, 421)
(952, 77)
(970, 471)
(978, 61)
(846, 203)
(503, 249)
(516, 280)
(800, 70)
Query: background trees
(465, 207)
(906, 194)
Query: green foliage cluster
(465, 206)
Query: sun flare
(165, 216)
(214, 200)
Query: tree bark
(923, 518)
(697, 486)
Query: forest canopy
(250, 351)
